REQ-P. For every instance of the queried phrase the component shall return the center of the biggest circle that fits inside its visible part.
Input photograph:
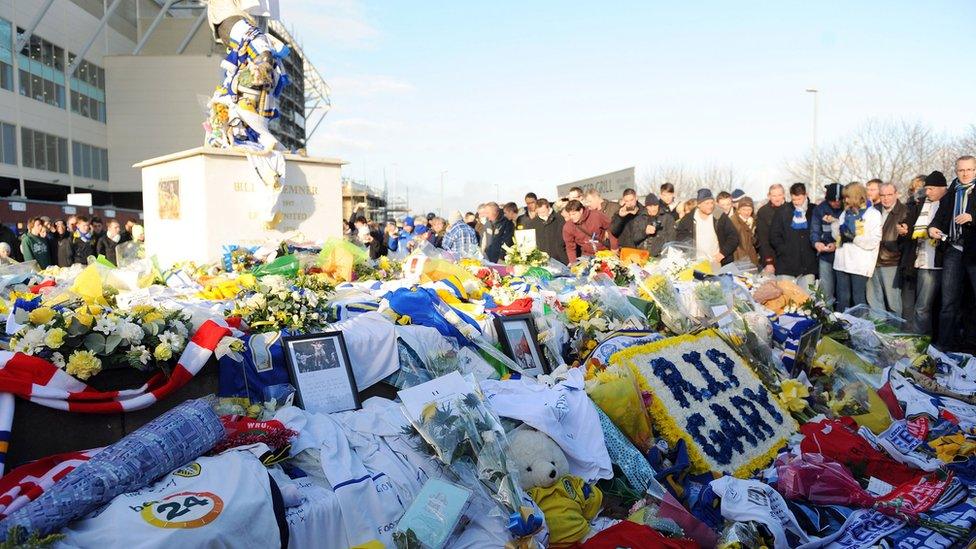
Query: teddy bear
(568, 502)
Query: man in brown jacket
(745, 224)
(884, 288)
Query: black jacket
(106, 246)
(10, 237)
(619, 224)
(943, 221)
(498, 233)
(889, 253)
(377, 246)
(728, 237)
(65, 252)
(80, 249)
(636, 232)
(794, 254)
(549, 236)
(764, 220)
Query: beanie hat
(408, 221)
(935, 179)
(835, 191)
(745, 201)
(705, 194)
(738, 195)
(651, 200)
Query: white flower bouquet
(83, 339)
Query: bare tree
(890, 150)
(687, 180)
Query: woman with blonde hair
(858, 233)
(688, 207)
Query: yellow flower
(163, 352)
(152, 317)
(428, 412)
(41, 315)
(83, 364)
(54, 338)
(605, 254)
(838, 406)
(577, 310)
(793, 395)
(826, 364)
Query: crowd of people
(913, 256)
(64, 242)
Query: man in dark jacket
(822, 239)
(630, 208)
(499, 231)
(884, 287)
(82, 242)
(548, 227)
(953, 225)
(106, 244)
(789, 236)
(524, 220)
(921, 259)
(668, 207)
(764, 220)
(714, 238)
(650, 230)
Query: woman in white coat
(858, 233)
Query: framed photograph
(806, 348)
(520, 341)
(169, 198)
(319, 368)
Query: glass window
(9, 138)
(62, 155)
(24, 83)
(59, 59)
(49, 96)
(51, 151)
(26, 141)
(6, 76)
(40, 160)
(76, 158)
(104, 165)
(85, 161)
(37, 87)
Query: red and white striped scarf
(43, 383)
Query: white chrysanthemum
(32, 340)
(172, 340)
(131, 332)
(256, 301)
(312, 299)
(58, 360)
(105, 325)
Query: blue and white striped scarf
(963, 191)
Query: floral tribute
(82, 339)
(704, 393)
(606, 263)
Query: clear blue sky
(527, 95)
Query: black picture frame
(526, 326)
(806, 348)
(314, 383)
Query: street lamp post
(816, 157)
(442, 191)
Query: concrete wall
(158, 105)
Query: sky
(499, 98)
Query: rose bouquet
(276, 303)
(83, 339)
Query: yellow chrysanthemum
(162, 352)
(577, 310)
(55, 338)
(41, 315)
(83, 364)
(793, 395)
